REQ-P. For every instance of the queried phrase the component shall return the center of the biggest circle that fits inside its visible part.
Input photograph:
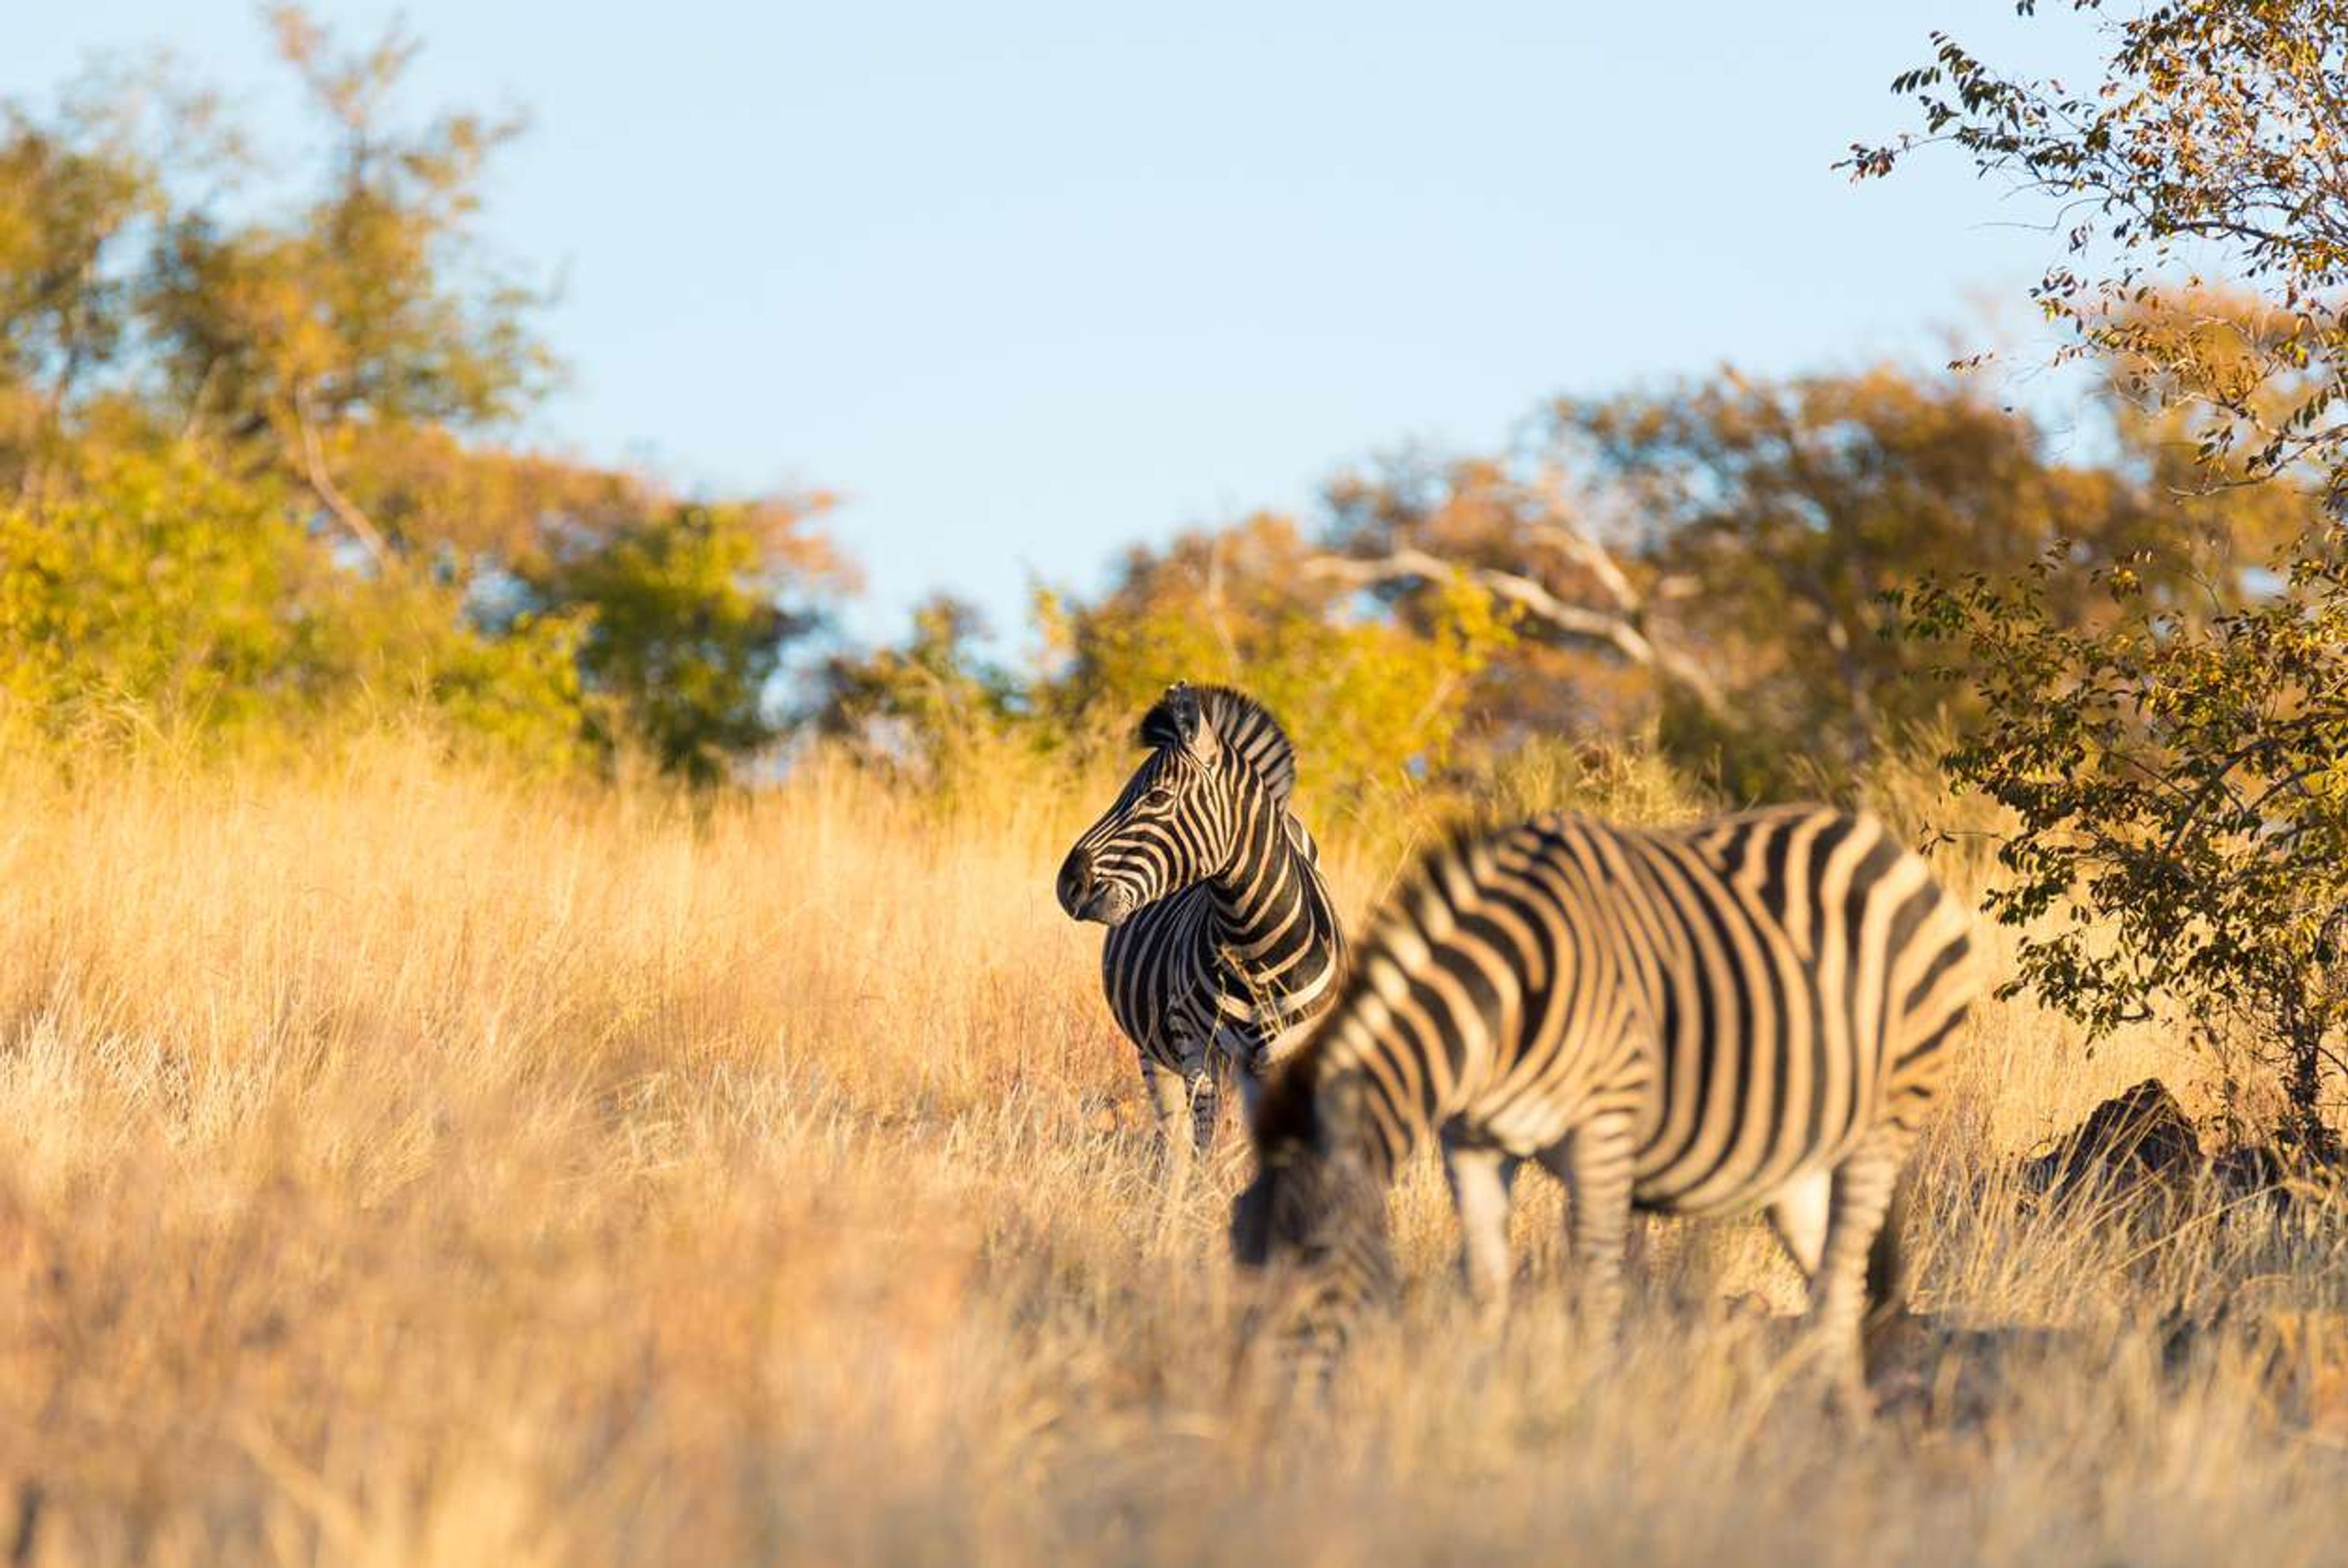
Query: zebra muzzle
(1109, 905)
(1087, 900)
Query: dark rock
(2252, 1169)
(2139, 1136)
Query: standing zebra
(1222, 941)
(1745, 1014)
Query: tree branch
(1591, 557)
(346, 511)
(1616, 630)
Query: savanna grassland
(402, 1163)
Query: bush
(2182, 798)
(166, 598)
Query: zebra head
(1310, 1229)
(1216, 763)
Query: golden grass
(401, 1166)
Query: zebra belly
(1742, 1193)
(1530, 1130)
(1767, 1070)
(1752, 1130)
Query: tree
(1717, 562)
(685, 625)
(1717, 557)
(166, 596)
(1369, 700)
(291, 340)
(2189, 788)
(77, 188)
(1790, 512)
(927, 708)
(1594, 646)
(2178, 780)
(2217, 140)
(344, 352)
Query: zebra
(1223, 939)
(1749, 1013)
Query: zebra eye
(1158, 795)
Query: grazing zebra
(1222, 942)
(1745, 1014)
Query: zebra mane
(1240, 723)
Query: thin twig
(346, 511)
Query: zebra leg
(1481, 1179)
(1202, 1085)
(1799, 1215)
(1856, 1210)
(1594, 1163)
(1170, 1095)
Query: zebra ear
(1191, 725)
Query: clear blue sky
(1027, 283)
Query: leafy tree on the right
(2180, 782)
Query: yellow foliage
(1372, 703)
(167, 599)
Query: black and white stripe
(1749, 1014)
(1222, 940)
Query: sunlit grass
(402, 1164)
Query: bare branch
(1616, 630)
(346, 511)
(1579, 548)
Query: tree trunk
(2304, 1036)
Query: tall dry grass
(400, 1164)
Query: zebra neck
(1270, 895)
(1408, 1059)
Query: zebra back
(1758, 992)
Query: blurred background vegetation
(258, 493)
(252, 491)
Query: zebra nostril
(1076, 882)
